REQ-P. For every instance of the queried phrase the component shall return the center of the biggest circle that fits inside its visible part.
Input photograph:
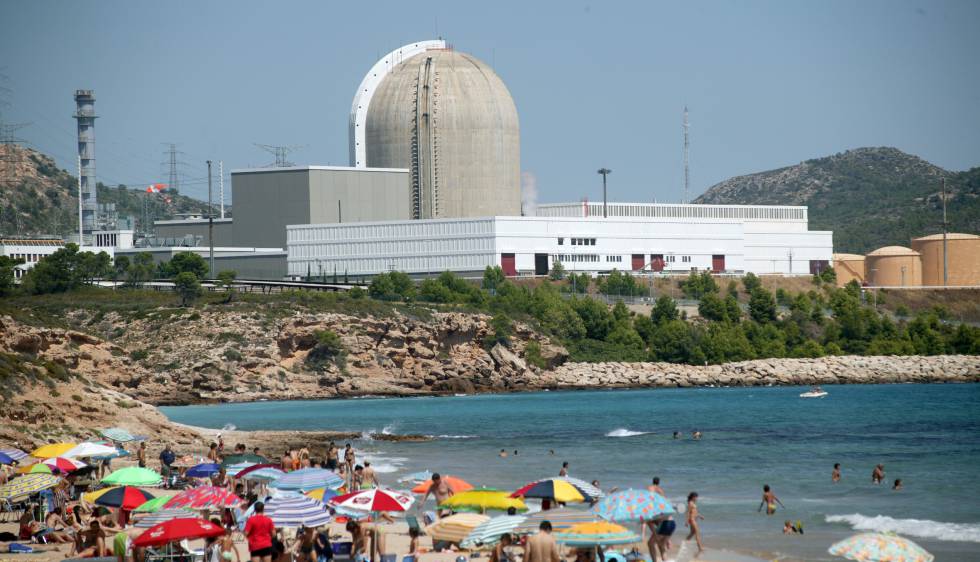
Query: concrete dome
(893, 266)
(448, 118)
(893, 251)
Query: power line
(280, 152)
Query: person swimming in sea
(677, 435)
(769, 500)
(878, 474)
(790, 528)
(502, 454)
(898, 484)
(835, 475)
(696, 435)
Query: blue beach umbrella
(203, 470)
(307, 479)
(233, 469)
(632, 505)
(13, 453)
(6, 459)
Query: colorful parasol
(455, 528)
(63, 464)
(457, 485)
(204, 497)
(632, 505)
(489, 532)
(265, 474)
(245, 457)
(126, 497)
(177, 530)
(28, 484)
(52, 450)
(152, 506)
(483, 499)
(133, 476)
(232, 470)
(374, 500)
(552, 489)
(14, 453)
(561, 519)
(295, 511)
(6, 459)
(880, 547)
(162, 515)
(598, 533)
(322, 494)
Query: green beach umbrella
(133, 476)
(152, 506)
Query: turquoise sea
(927, 435)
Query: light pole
(210, 225)
(604, 172)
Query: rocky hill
(869, 197)
(39, 198)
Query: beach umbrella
(374, 500)
(483, 499)
(245, 457)
(133, 476)
(552, 489)
(322, 494)
(587, 489)
(561, 519)
(63, 464)
(203, 470)
(116, 453)
(6, 459)
(14, 453)
(90, 497)
(252, 467)
(89, 449)
(307, 479)
(147, 521)
(417, 477)
(597, 533)
(204, 497)
(489, 532)
(118, 435)
(28, 484)
(177, 530)
(52, 450)
(295, 511)
(457, 485)
(125, 497)
(187, 461)
(455, 528)
(152, 506)
(880, 547)
(266, 474)
(632, 505)
(37, 468)
(232, 470)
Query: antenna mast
(687, 171)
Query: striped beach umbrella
(6, 459)
(158, 517)
(598, 533)
(232, 470)
(586, 488)
(14, 453)
(560, 519)
(36, 468)
(552, 489)
(204, 497)
(296, 511)
(489, 532)
(632, 505)
(126, 497)
(455, 528)
(133, 476)
(52, 450)
(265, 474)
(880, 547)
(374, 500)
(307, 479)
(322, 494)
(118, 435)
(483, 499)
(229, 460)
(28, 484)
(63, 464)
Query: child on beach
(692, 520)
(769, 500)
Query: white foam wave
(456, 436)
(623, 432)
(388, 429)
(229, 427)
(920, 528)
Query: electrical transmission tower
(10, 155)
(280, 152)
(173, 163)
(687, 170)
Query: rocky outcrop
(766, 372)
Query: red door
(637, 262)
(657, 260)
(718, 263)
(508, 264)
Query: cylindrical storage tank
(893, 266)
(962, 258)
(450, 120)
(849, 267)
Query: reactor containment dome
(449, 119)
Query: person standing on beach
(564, 469)
(369, 479)
(878, 474)
(141, 455)
(349, 458)
(692, 521)
(258, 531)
(542, 546)
(769, 500)
(440, 490)
(286, 461)
(167, 458)
(835, 475)
(332, 456)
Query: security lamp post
(604, 172)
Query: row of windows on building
(394, 247)
(674, 211)
(29, 258)
(573, 258)
(673, 259)
(387, 231)
(577, 241)
(403, 263)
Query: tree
(595, 315)
(7, 274)
(226, 280)
(699, 284)
(391, 286)
(618, 283)
(119, 267)
(762, 305)
(329, 348)
(502, 330)
(732, 310)
(664, 310)
(187, 287)
(493, 277)
(712, 308)
(93, 266)
(557, 271)
(186, 261)
(57, 273)
(751, 282)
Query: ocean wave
(920, 528)
(229, 427)
(456, 436)
(623, 432)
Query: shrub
(232, 354)
(329, 348)
(532, 354)
(76, 398)
(139, 354)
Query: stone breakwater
(846, 369)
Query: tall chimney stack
(85, 115)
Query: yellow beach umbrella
(26, 485)
(37, 468)
(483, 499)
(53, 450)
(455, 528)
(322, 494)
(90, 497)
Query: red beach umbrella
(374, 500)
(178, 530)
(125, 497)
(204, 497)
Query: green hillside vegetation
(869, 197)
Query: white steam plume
(529, 194)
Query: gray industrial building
(198, 228)
(248, 263)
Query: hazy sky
(769, 84)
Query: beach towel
(16, 548)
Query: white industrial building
(634, 236)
